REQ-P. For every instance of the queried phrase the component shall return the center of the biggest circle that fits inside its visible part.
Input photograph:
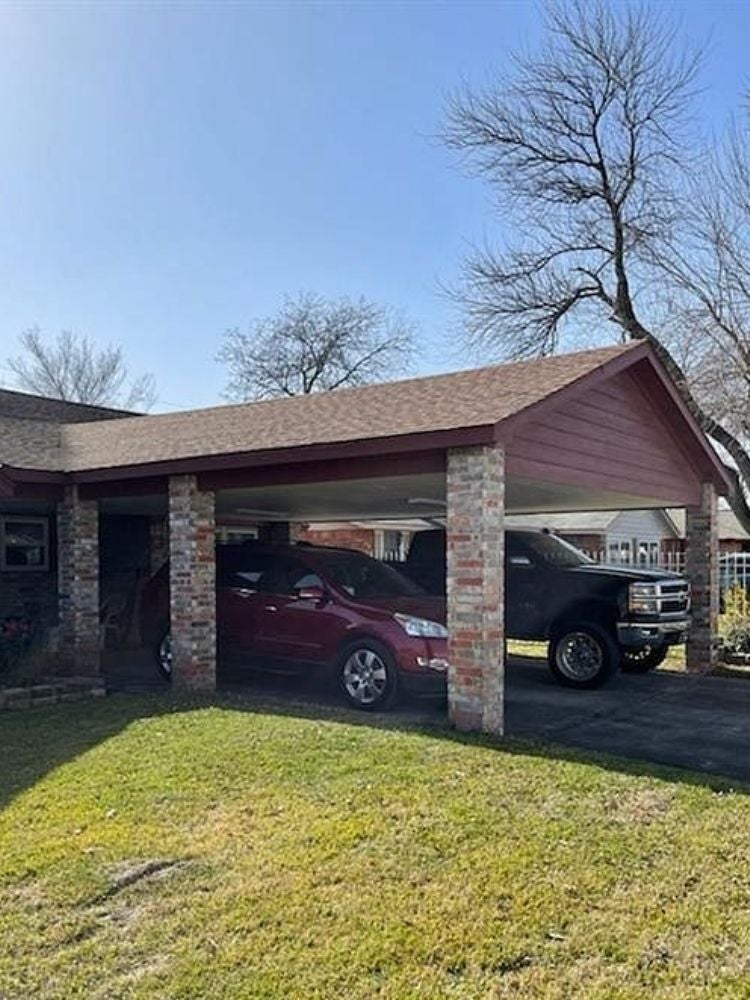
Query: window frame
(42, 567)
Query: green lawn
(151, 848)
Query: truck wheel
(640, 661)
(583, 655)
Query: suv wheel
(163, 654)
(583, 655)
(640, 661)
(366, 675)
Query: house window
(24, 543)
(392, 545)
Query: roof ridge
(612, 350)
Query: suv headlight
(643, 598)
(421, 627)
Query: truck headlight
(421, 627)
(643, 598)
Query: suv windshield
(363, 577)
(543, 548)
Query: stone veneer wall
(78, 581)
(192, 584)
(475, 544)
(702, 569)
(52, 692)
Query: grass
(163, 849)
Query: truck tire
(640, 661)
(583, 655)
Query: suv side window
(291, 574)
(246, 570)
(517, 551)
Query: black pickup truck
(596, 618)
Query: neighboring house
(388, 540)
(732, 536)
(642, 536)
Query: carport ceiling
(403, 497)
(382, 497)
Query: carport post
(475, 571)
(78, 581)
(702, 569)
(192, 585)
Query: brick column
(78, 581)
(192, 587)
(475, 572)
(702, 569)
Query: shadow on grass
(36, 741)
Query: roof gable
(478, 398)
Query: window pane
(24, 555)
(23, 533)
(238, 567)
(24, 544)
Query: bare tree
(71, 367)
(584, 147)
(709, 266)
(315, 345)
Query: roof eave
(481, 434)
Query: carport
(593, 430)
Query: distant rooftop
(26, 406)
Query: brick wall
(29, 593)
(78, 581)
(361, 539)
(192, 584)
(475, 516)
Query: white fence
(734, 567)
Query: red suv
(282, 607)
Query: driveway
(701, 723)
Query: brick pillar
(78, 581)
(192, 586)
(475, 571)
(158, 543)
(702, 569)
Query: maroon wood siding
(611, 438)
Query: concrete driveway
(701, 723)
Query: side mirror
(316, 594)
(519, 561)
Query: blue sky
(171, 170)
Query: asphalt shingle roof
(468, 399)
(26, 406)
